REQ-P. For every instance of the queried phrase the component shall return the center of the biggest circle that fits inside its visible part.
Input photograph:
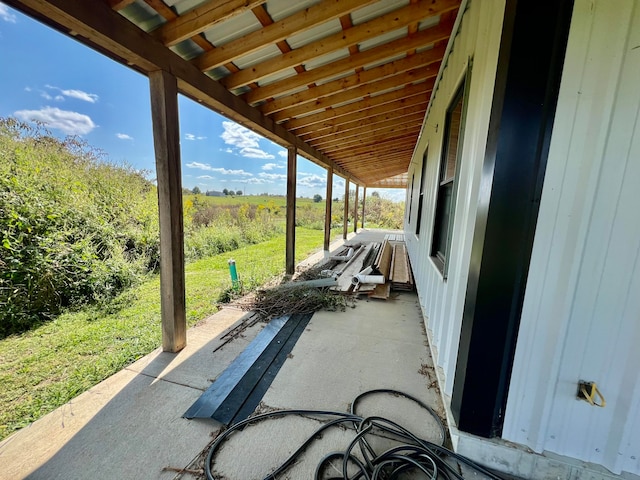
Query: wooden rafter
(349, 87)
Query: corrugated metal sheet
(443, 301)
(581, 316)
(315, 33)
(279, 9)
(233, 28)
(376, 10)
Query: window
(413, 177)
(445, 200)
(423, 174)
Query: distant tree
(225, 191)
(195, 190)
(317, 198)
(375, 194)
(239, 192)
(336, 199)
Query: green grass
(49, 365)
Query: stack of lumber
(388, 262)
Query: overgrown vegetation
(75, 229)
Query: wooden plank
(291, 211)
(424, 59)
(359, 135)
(384, 263)
(354, 266)
(309, 135)
(166, 141)
(327, 209)
(389, 50)
(201, 18)
(365, 90)
(381, 291)
(400, 265)
(299, 22)
(376, 141)
(403, 97)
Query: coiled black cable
(413, 454)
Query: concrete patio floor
(131, 426)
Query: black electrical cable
(414, 454)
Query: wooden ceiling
(346, 81)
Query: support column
(327, 209)
(364, 199)
(166, 140)
(345, 223)
(291, 211)
(355, 210)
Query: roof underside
(346, 81)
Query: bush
(74, 229)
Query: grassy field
(49, 365)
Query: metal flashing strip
(235, 394)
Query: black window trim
(462, 91)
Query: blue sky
(74, 90)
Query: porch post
(291, 210)
(166, 140)
(364, 199)
(327, 209)
(345, 222)
(355, 210)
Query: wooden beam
(355, 210)
(119, 4)
(398, 97)
(300, 21)
(372, 142)
(201, 18)
(99, 27)
(386, 51)
(345, 221)
(361, 132)
(373, 120)
(363, 91)
(377, 114)
(166, 140)
(327, 209)
(291, 211)
(364, 199)
(424, 59)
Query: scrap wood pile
(374, 269)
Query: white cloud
(77, 94)
(6, 15)
(59, 98)
(257, 181)
(273, 176)
(124, 136)
(46, 96)
(71, 123)
(206, 177)
(191, 136)
(283, 153)
(245, 140)
(311, 180)
(250, 152)
(239, 136)
(27, 89)
(271, 166)
(223, 171)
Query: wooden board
(381, 291)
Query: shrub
(74, 229)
